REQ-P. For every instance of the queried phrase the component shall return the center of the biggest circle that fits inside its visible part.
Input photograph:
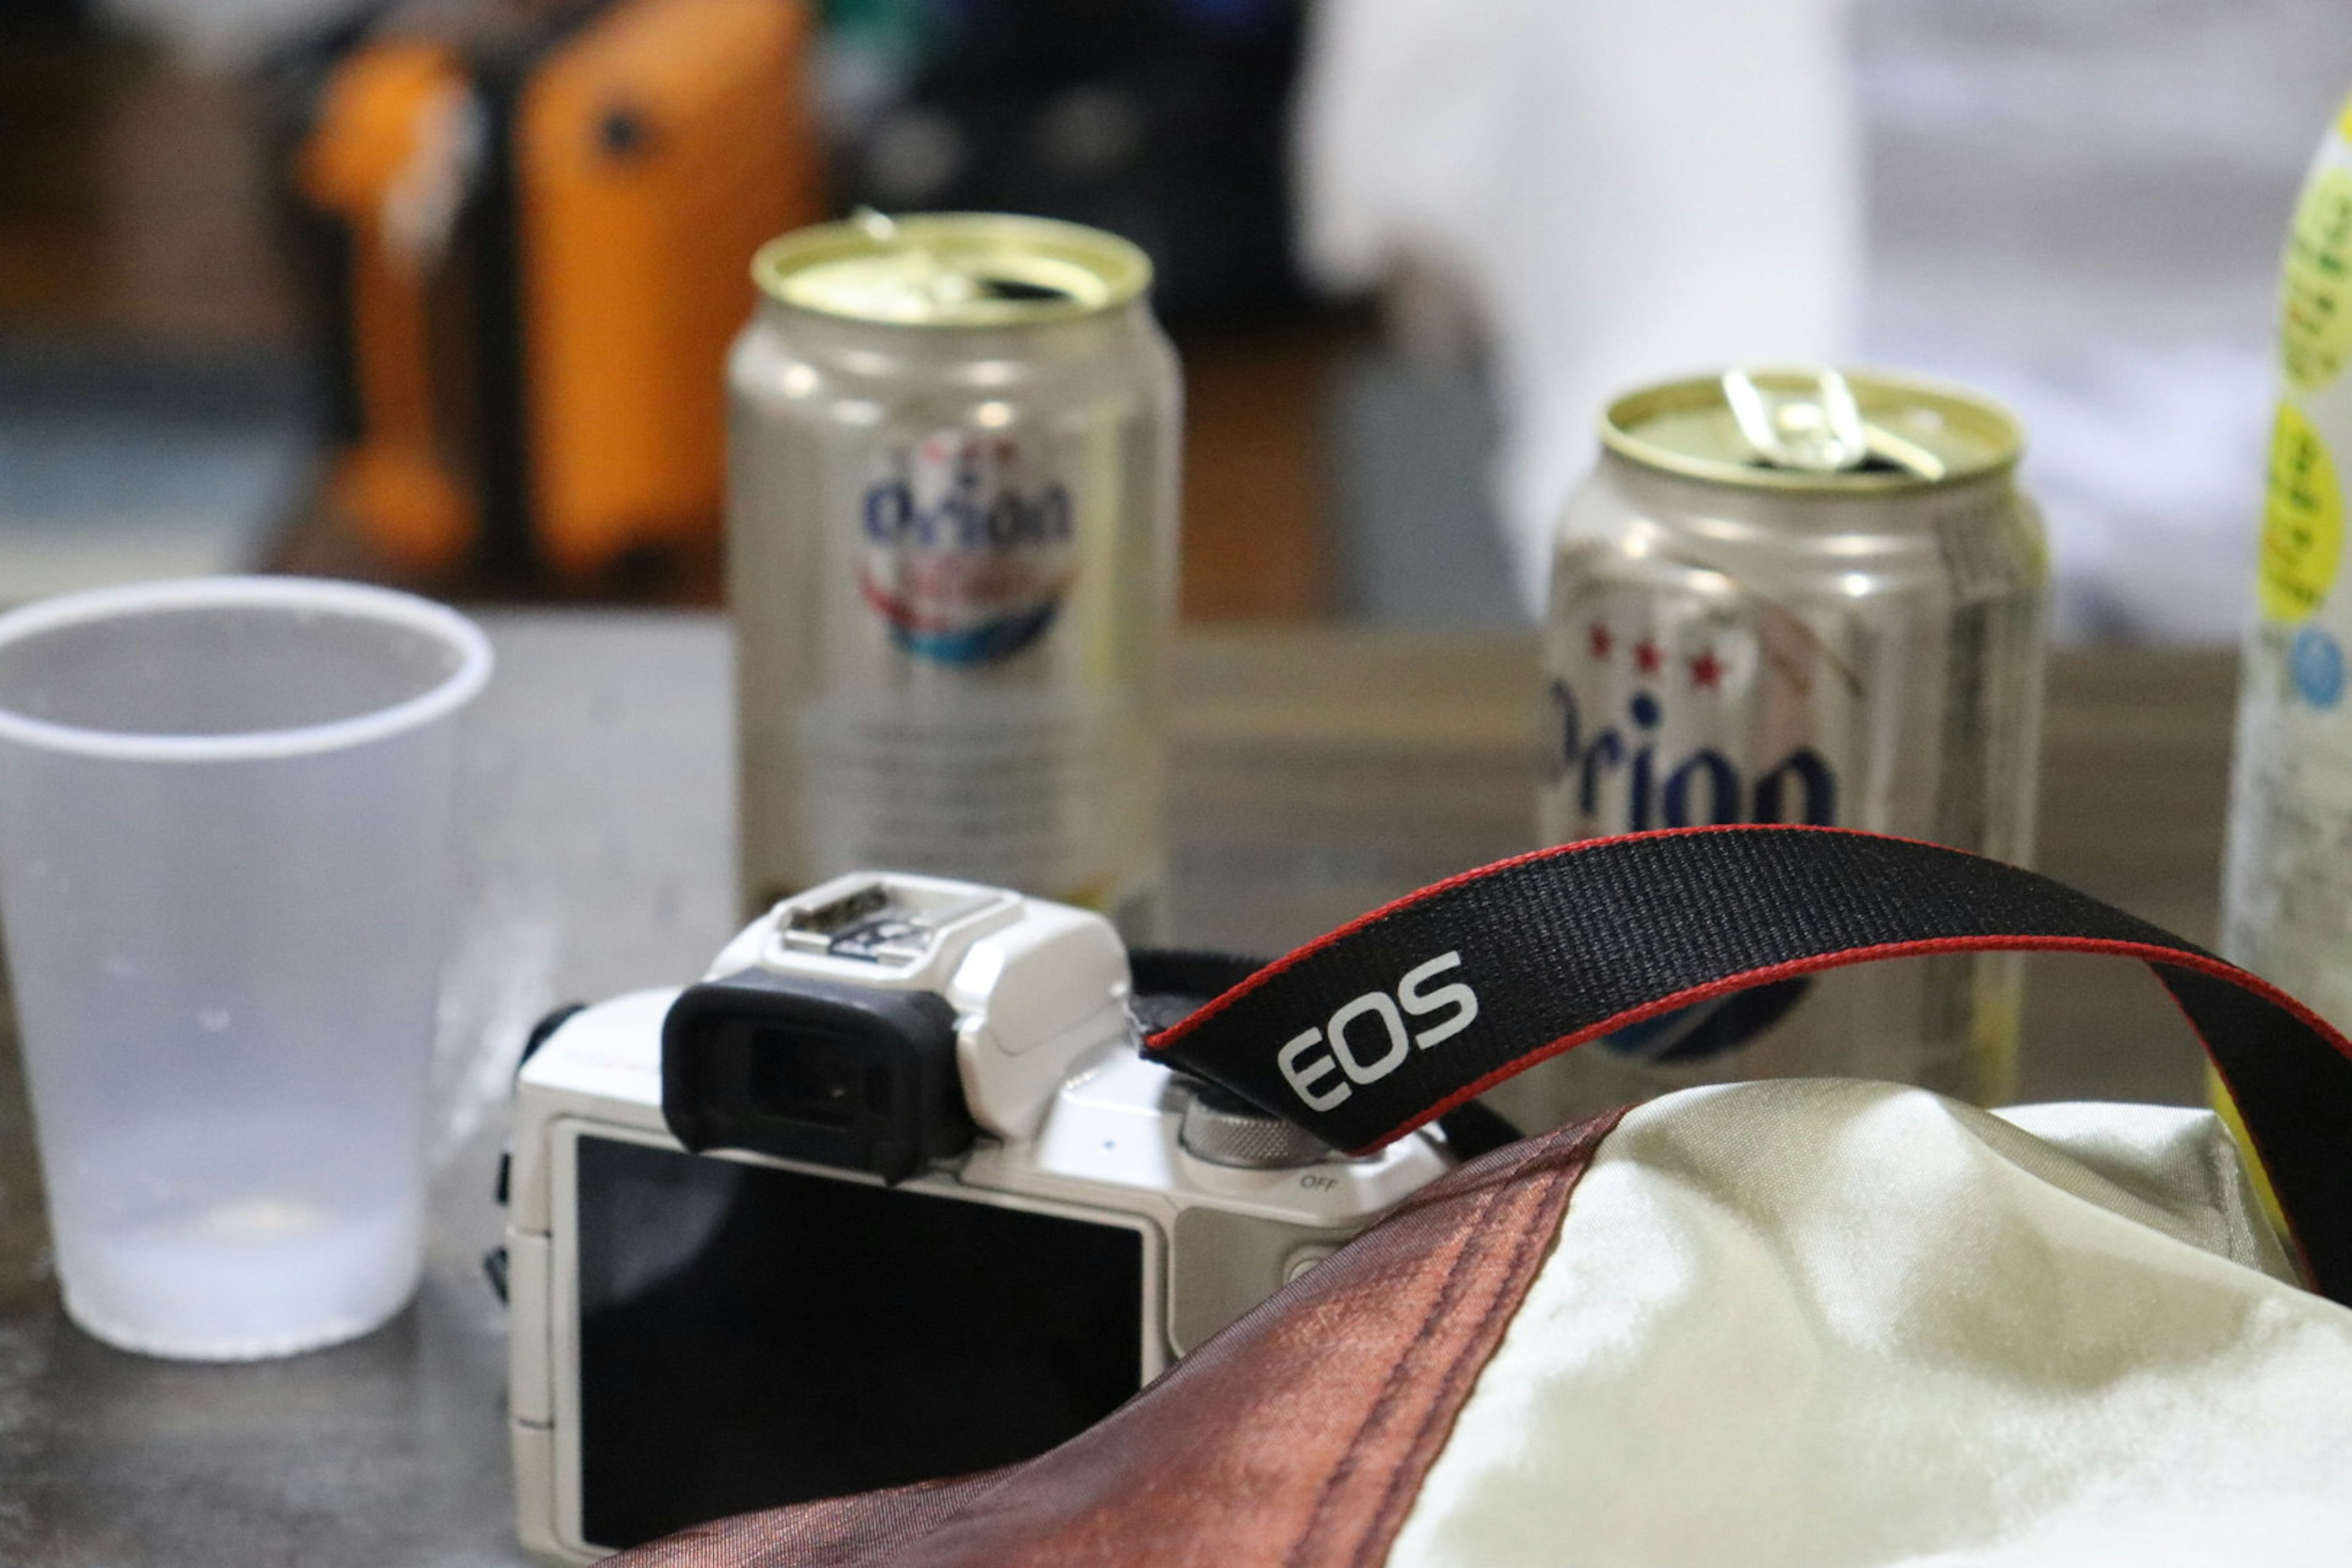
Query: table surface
(1318, 772)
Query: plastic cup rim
(358, 600)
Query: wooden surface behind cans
(1318, 772)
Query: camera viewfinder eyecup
(840, 1075)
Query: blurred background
(433, 293)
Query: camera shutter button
(1226, 1129)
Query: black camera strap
(1396, 1018)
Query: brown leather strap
(1296, 1438)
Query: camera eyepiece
(843, 1076)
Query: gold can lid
(951, 269)
(1813, 428)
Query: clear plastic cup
(224, 815)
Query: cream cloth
(1833, 1322)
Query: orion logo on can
(965, 553)
(1699, 787)
(1622, 760)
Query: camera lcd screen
(750, 1337)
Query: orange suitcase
(543, 222)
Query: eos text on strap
(1328, 1056)
(1557, 948)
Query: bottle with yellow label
(2287, 877)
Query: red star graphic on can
(1646, 658)
(1601, 641)
(1706, 671)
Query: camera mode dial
(1224, 1129)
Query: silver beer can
(951, 559)
(1801, 597)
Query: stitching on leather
(1449, 1379)
(1472, 1235)
(1479, 1346)
(1452, 1387)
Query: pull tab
(915, 271)
(1815, 425)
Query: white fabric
(1625, 189)
(1829, 1323)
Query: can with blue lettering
(1801, 597)
(951, 559)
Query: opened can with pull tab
(951, 536)
(1799, 596)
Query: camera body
(890, 1195)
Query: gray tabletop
(1318, 772)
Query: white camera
(891, 1194)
